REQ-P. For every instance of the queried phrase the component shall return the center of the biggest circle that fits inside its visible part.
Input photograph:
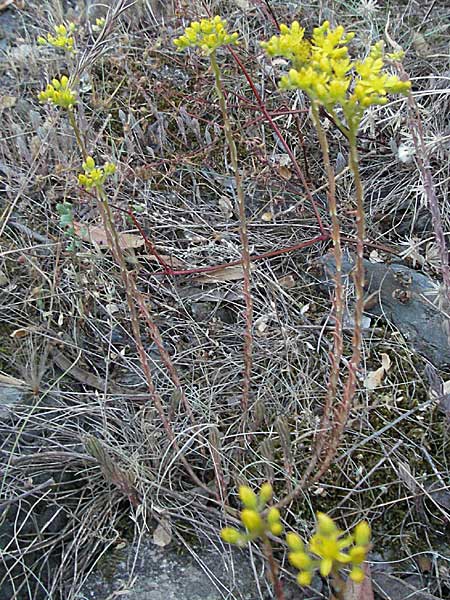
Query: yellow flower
(252, 521)
(94, 176)
(207, 34)
(328, 544)
(274, 521)
(231, 535)
(59, 93)
(265, 493)
(357, 575)
(304, 578)
(248, 497)
(290, 44)
(252, 517)
(362, 533)
(63, 39)
(323, 70)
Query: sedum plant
(62, 39)
(59, 93)
(323, 69)
(207, 34)
(94, 176)
(328, 550)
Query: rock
(410, 300)
(171, 574)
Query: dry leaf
(285, 173)
(7, 101)
(162, 536)
(287, 282)
(375, 378)
(405, 474)
(20, 333)
(360, 591)
(96, 234)
(267, 217)
(9, 380)
(226, 274)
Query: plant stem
(329, 410)
(273, 569)
(78, 136)
(246, 261)
(358, 278)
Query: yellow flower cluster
(95, 176)
(59, 93)
(328, 545)
(323, 70)
(290, 44)
(255, 524)
(63, 39)
(207, 34)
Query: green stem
(77, 132)
(246, 263)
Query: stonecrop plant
(207, 34)
(95, 176)
(59, 93)
(327, 551)
(323, 69)
(255, 523)
(63, 38)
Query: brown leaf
(96, 234)
(226, 274)
(360, 591)
(285, 173)
(374, 378)
(162, 536)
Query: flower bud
(248, 497)
(362, 533)
(265, 493)
(231, 535)
(252, 521)
(294, 542)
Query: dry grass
(154, 113)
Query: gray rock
(413, 302)
(172, 573)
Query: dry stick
(132, 295)
(246, 264)
(423, 162)
(156, 337)
(273, 569)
